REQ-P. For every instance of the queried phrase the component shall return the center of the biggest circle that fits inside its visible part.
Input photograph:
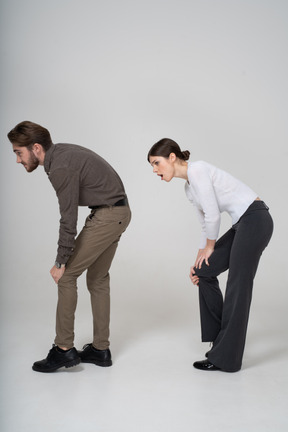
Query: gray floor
(152, 385)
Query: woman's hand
(194, 278)
(203, 255)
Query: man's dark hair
(27, 133)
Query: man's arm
(66, 185)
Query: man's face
(26, 157)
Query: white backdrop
(116, 76)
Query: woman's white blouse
(214, 191)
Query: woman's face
(163, 167)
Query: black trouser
(225, 322)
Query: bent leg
(101, 230)
(98, 279)
(67, 289)
(210, 295)
(252, 236)
(98, 283)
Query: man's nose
(18, 160)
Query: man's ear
(37, 147)
(39, 152)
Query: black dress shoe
(89, 354)
(57, 359)
(205, 365)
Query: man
(80, 177)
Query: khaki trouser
(94, 250)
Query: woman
(213, 191)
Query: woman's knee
(204, 271)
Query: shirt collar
(48, 158)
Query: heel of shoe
(106, 363)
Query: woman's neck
(181, 170)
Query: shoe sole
(98, 363)
(66, 365)
(210, 369)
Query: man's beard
(32, 163)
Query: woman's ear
(172, 157)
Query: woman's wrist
(210, 244)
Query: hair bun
(186, 154)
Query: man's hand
(57, 273)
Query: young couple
(80, 177)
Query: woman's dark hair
(27, 133)
(166, 146)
